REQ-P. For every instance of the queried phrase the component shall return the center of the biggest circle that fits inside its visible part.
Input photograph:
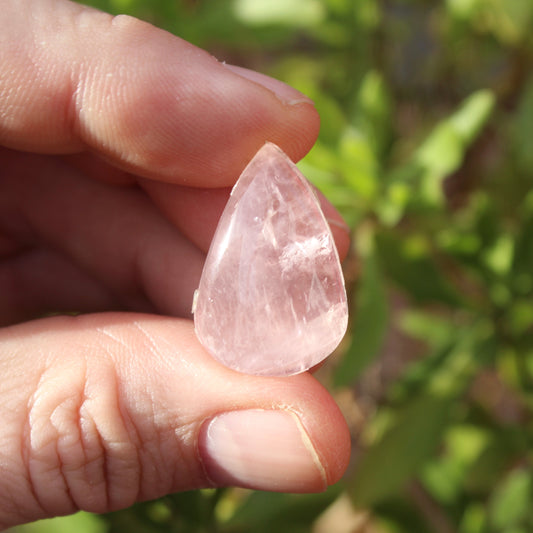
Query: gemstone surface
(271, 299)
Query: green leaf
(264, 512)
(511, 20)
(522, 262)
(302, 13)
(522, 127)
(358, 164)
(443, 151)
(448, 369)
(474, 519)
(399, 455)
(446, 476)
(520, 316)
(511, 502)
(463, 9)
(80, 523)
(369, 325)
(399, 194)
(409, 263)
(373, 116)
(499, 257)
(471, 117)
(434, 330)
(490, 465)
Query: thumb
(144, 99)
(102, 411)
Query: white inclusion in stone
(271, 299)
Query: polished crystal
(271, 299)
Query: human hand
(118, 145)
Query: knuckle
(78, 450)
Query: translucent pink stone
(271, 299)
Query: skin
(118, 145)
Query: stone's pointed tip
(271, 299)
(268, 151)
(271, 145)
(273, 149)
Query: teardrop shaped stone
(271, 299)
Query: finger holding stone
(143, 99)
(105, 410)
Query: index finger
(145, 100)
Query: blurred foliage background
(427, 108)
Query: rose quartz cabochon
(271, 299)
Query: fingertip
(295, 146)
(328, 430)
(265, 449)
(286, 94)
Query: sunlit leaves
(444, 149)
(401, 452)
(80, 522)
(511, 503)
(370, 322)
(294, 13)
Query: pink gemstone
(271, 299)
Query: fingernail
(261, 449)
(286, 93)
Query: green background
(425, 148)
